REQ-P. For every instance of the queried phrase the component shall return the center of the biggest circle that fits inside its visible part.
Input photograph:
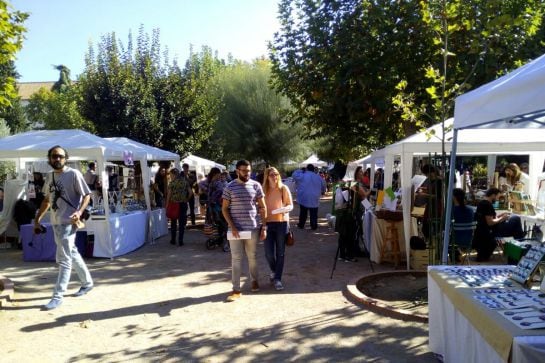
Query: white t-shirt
(70, 185)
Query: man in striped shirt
(243, 198)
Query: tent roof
(515, 100)
(152, 152)
(194, 160)
(79, 144)
(313, 159)
(470, 141)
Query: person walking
(192, 180)
(68, 195)
(309, 189)
(241, 200)
(279, 204)
(178, 191)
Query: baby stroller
(215, 228)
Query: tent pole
(448, 211)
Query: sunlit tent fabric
(515, 101)
(353, 165)
(152, 153)
(313, 159)
(201, 165)
(470, 142)
(33, 146)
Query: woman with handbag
(279, 204)
(178, 194)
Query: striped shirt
(243, 203)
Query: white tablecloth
(374, 230)
(127, 233)
(159, 223)
(453, 336)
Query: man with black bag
(68, 195)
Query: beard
(57, 165)
(244, 178)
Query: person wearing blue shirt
(310, 186)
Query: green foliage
(6, 167)
(15, 116)
(252, 120)
(132, 93)
(64, 81)
(54, 111)
(365, 73)
(11, 41)
(473, 43)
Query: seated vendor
(491, 225)
(516, 178)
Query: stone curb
(382, 307)
(6, 290)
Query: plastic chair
(462, 234)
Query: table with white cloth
(159, 223)
(127, 232)
(461, 329)
(374, 233)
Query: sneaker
(255, 286)
(235, 295)
(278, 285)
(53, 304)
(350, 259)
(83, 290)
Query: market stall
(158, 223)
(108, 227)
(471, 142)
(512, 104)
(201, 165)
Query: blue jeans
(237, 251)
(67, 253)
(182, 221)
(275, 247)
(303, 217)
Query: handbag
(290, 240)
(173, 210)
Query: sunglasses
(57, 156)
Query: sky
(60, 31)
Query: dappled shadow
(200, 326)
(312, 338)
(162, 308)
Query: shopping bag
(173, 210)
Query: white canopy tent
(33, 146)
(201, 165)
(514, 103)
(470, 142)
(313, 159)
(352, 166)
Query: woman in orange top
(279, 204)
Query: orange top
(273, 200)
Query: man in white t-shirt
(68, 195)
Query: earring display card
(531, 317)
(488, 277)
(528, 264)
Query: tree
(57, 110)
(11, 41)
(343, 63)
(131, 92)
(252, 119)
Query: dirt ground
(165, 303)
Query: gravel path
(165, 303)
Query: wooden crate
(419, 259)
